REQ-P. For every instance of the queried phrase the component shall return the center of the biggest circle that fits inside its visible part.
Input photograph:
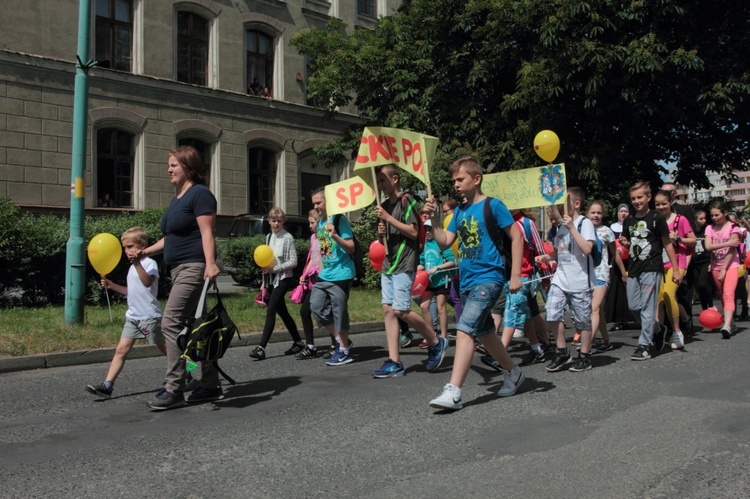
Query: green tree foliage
(627, 86)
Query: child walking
(143, 317)
(602, 273)
(279, 282)
(723, 238)
(646, 234)
(682, 236)
(482, 278)
(438, 265)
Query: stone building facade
(217, 74)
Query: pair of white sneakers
(451, 396)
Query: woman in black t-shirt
(190, 251)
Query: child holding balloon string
(143, 317)
(279, 274)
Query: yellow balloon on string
(263, 255)
(547, 145)
(105, 252)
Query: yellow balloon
(105, 252)
(741, 271)
(263, 255)
(547, 145)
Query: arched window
(192, 48)
(204, 149)
(259, 55)
(115, 165)
(261, 179)
(114, 34)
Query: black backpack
(358, 256)
(210, 334)
(498, 236)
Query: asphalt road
(674, 426)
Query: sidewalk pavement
(104, 355)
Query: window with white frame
(114, 34)
(192, 48)
(115, 168)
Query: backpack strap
(403, 200)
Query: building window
(114, 34)
(115, 161)
(366, 8)
(204, 149)
(259, 54)
(261, 174)
(192, 48)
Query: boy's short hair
(389, 170)
(576, 194)
(319, 190)
(276, 212)
(641, 185)
(469, 164)
(136, 235)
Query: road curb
(102, 355)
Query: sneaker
(100, 390)
(296, 348)
(577, 339)
(436, 353)
(532, 358)
(423, 344)
(389, 369)
(489, 361)
(405, 340)
(518, 334)
(511, 381)
(659, 338)
(258, 353)
(678, 340)
(479, 348)
(307, 353)
(582, 363)
(452, 335)
(449, 399)
(167, 400)
(329, 353)
(339, 358)
(726, 333)
(558, 362)
(603, 347)
(205, 395)
(641, 353)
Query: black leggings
(277, 305)
(704, 284)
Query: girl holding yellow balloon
(277, 260)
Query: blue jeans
(476, 317)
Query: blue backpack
(596, 251)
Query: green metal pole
(75, 260)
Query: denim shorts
(517, 312)
(396, 290)
(147, 329)
(476, 318)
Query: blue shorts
(396, 290)
(517, 311)
(476, 317)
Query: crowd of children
(642, 269)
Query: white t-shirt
(575, 271)
(142, 302)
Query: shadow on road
(250, 393)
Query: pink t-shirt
(682, 226)
(722, 236)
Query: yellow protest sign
(349, 195)
(413, 152)
(527, 188)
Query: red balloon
(376, 254)
(421, 280)
(548, 248)
(747, 260)
(621, 250)
(710, 318)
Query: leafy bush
(33, 253)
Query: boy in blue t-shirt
(329, 297)
(481, 277)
